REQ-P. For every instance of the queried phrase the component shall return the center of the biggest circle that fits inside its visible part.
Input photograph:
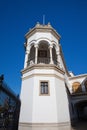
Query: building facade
(45, 80)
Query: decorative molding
(42, 29)
(45, 124)
(78, 76)
(41, 75)
(42, 66)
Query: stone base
(44, 126)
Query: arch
(32, 43)
(76, 87)
(47, 41)
(54, 54)
(43, 52)
(31, 56)
(55, 45)
(85, 84)
(45, 49)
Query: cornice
(78, 76)
(42, 28)
(45, 75)
(42, 66)
(64, 62)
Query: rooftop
(42, 28)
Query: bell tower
(43, 92)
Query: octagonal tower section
(43, 92)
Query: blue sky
(68, 17)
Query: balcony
(41, 61)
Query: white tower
(43, 93)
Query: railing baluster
(40, 61)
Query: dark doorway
(81, 108)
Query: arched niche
(76, 87)
(54, 55)
(31, 56)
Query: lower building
(77, 96)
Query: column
(26, 58)
(83, 88)
(36, 53)
(59, 59)
(51, 58)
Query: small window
(44, 88)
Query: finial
(37, 24)
(49, 24)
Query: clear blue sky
(68, 17)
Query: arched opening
(54, 55)
(31, 56)
(76, 87)
(43, 53)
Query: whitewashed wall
(52, 108)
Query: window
(44, 88)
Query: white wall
(44, 107)
(52, 108)
(42, 35)
(61, 101)
(26, 100)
